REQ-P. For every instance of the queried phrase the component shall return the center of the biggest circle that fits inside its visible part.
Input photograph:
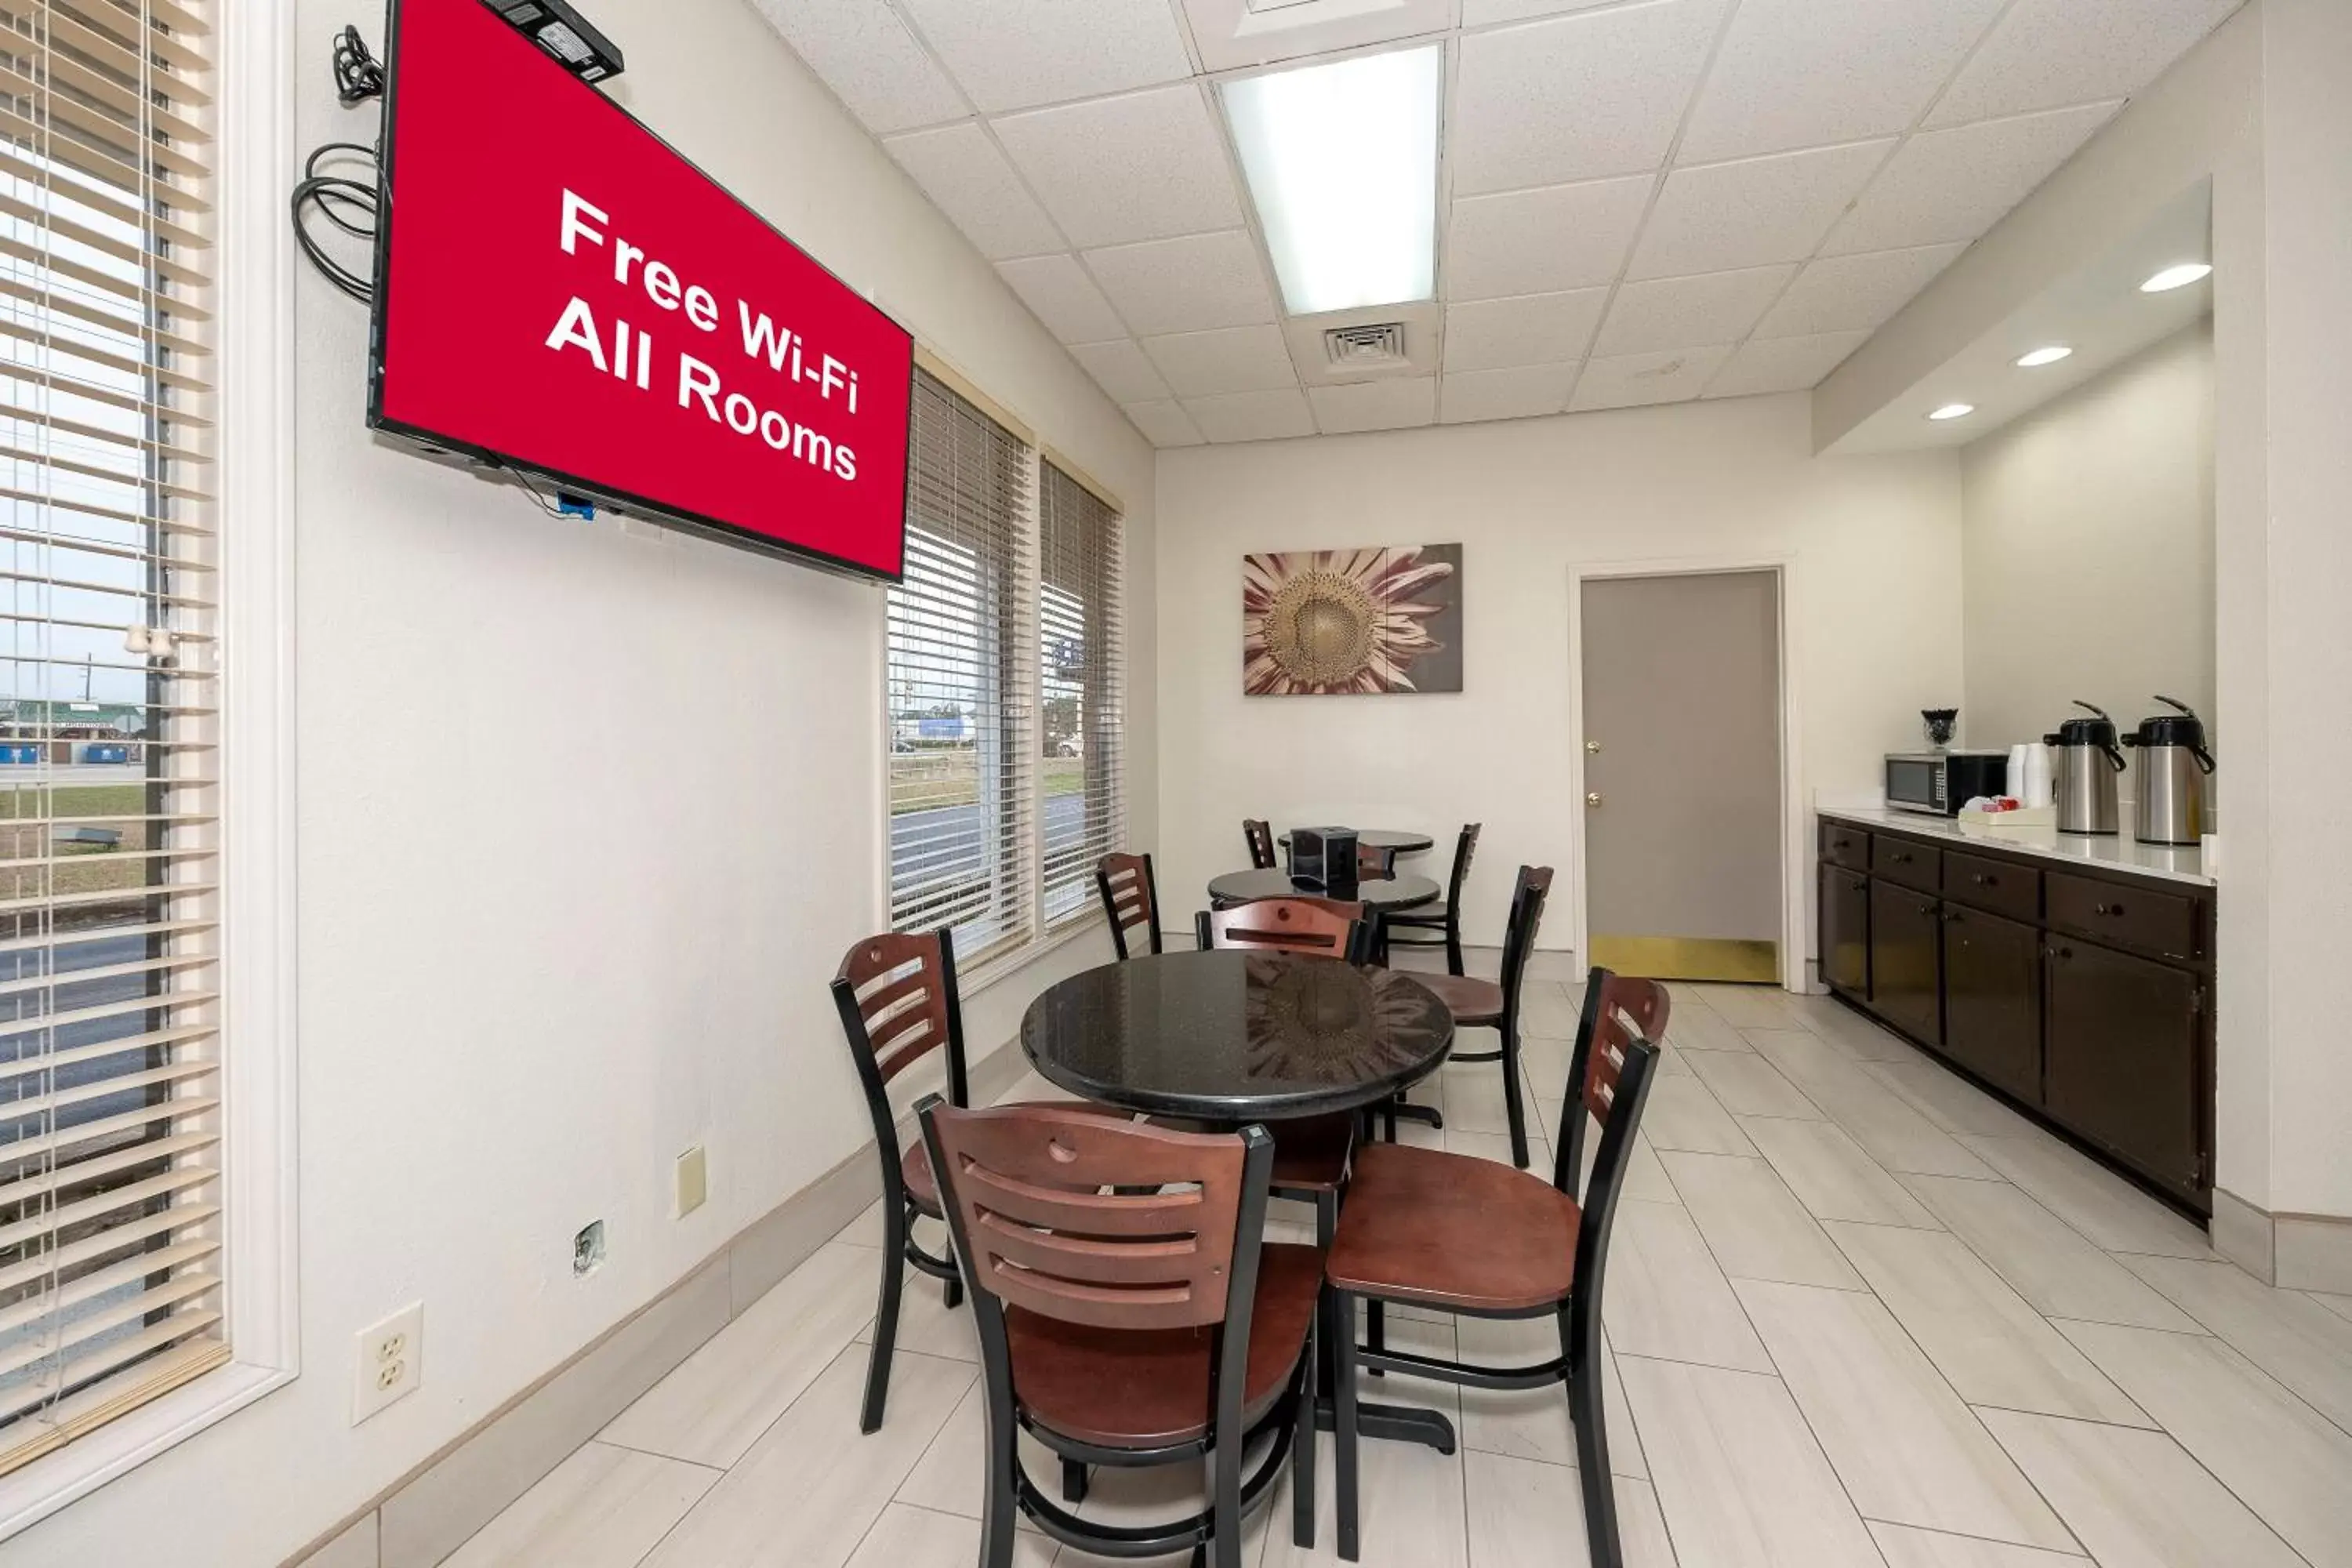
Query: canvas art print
(1326, 623)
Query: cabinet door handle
(1982, 880)
(1926, 909)
(1899, 859)
(2061, 953)
(2115, 910)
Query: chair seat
(1436, 914)
(1470, 999)
(1453, 1231)
(1310, 1155)
(1127, 1389)
(915, 1163)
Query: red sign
(559, 290)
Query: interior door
(1682, 774)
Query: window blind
(958, 626)
(111, 1290)
(1080, 682)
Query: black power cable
(349, 204)
(358, 77)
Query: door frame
(1796, 959)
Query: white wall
(1873, 545)
(587, 820)
(2088, 538)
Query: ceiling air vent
(1367, 347)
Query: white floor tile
(1990, 1344)
(1752, 1007)
(1412, 1509)
(926, 1325)
(1895, 1134)
(2284, 1333)
(1695, 1026)
(2284, 1460)
(715, 1405)
(951, 1476)
(806, 1493)
(909, 1537)
(1906, 1447)
(1666, 1297)
(2135, 1498)
(1748, 1085)
(1739, 1479)
(1524, 1514)
(2339, 1305)
(1857, 1038)
(1907, 1546)
(2045, 1260)
(1832, 1175)
(602, 1507)
(1949, 1100)
(1533, 1424)
(1682, 1113)
(2097, 1201)
(1753, 1224)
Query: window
(110, 1283)
(1080, 680)
(959, 727)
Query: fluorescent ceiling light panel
(1954, 411)
(2040, 357)
(1342, 162)
(2173, 278)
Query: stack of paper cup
(2038, 793)
(2015, 786)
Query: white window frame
(255, 353)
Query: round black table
(1389, 840)
(1234, 1038)
(1386, 893)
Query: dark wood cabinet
(1992, 1000)
(1905, 952)
(2081, 993)
(2124, 1039)
(1845, 932)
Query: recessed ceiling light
(1954, 411)
(1341, 162)
(2043, 357)
(2179, 277)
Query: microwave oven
(1939, 783)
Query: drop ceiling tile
(1689, 312)
(1120, 369)
(1629, 381)
(1187, 285)
(1230, 359)
(1578, 97)
(1144, 166)
(1164, 423)
(866, 55)
(1753, 212)
(1803, 73)
(1515, 393)
(1486, 13)
(2046, 53)
(1009, 56)
(1782, 364)
(1537, 242)
(1853, 293)
(967, 179)
(1058, 290)
(1252, 415)
(1535, 329)
(1944, 186)
(1397, 404)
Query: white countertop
(2118, 852)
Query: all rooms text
(627, 352)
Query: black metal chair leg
(951, 1292)
(1000, 1504)
(1344, 1436)
(886, 1317)
(1375, 1331)
(1513, 1107)
(1302, 1439)
(1074, 1482)
(1452, 947)
(1591, 1431)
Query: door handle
(1593, 748)
(1593, 798)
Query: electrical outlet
(390, 1362)
(693, 1180)
(588, 1249)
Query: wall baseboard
(438, 1505)
(2244, 1235)
(2291, 1251)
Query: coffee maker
(2088, 762)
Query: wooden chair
(1371, 863)
(1260, 835)
(896, 997)
(1131, 896)
(1495, 1004)
(1439, 924)
(1130, 1313)
(1474, 1237)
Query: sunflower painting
(1326, 623)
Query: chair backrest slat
(1260, 835)
(1528, 896)
(1464, 848)
(1332, 928)
(1089, 1220)
(1130, 897)
(1619, 1010)
(897, 998)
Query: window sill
(1007, 965)
(89, 1462)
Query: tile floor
(1858, 1313)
